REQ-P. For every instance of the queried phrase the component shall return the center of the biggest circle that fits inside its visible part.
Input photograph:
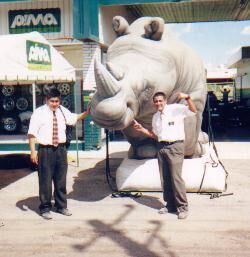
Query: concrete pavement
(105, 226)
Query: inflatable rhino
(144, 59)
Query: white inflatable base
(143, 175)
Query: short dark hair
(159, 94)
(53, 92)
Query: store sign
(38, 55)
(42, 20)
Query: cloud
(180, 29)
(233, 50)
(246, 30)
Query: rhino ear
(154, 29)
(120, 26)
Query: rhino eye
(147, 94)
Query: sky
(215, 42)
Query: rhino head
(136, 68)
(146, 58)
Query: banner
(38, 55)
(41, 20)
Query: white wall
(106, 14)
(66, 15)
(244, 71)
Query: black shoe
(64, 211)
(166, 210)
(46, 215)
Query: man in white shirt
(47, 128)
(168, 130)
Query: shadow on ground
(150, 201)
(14, 167)
(120, 237)
(91, 184)
(30, 203)
(8, 177)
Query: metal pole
(241, 87)
(77, 146)
(107, 153)
(34, 95)
(92, 132)
(234, 86)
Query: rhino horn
(154, 29)
(120, 26)
(115, 71)
(107, 85)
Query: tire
(64, 88)
(10, 124)
(8, 103)
(22, 104)
(8, 90)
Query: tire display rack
(16, 104)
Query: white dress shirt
(41, 124)
(168, 125)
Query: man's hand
(190, 103)
(137, 126)
(88, 108)
(34, 157)
(183, 96)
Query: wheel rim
(8, 90)
(9, 124)
(22, 104)
(66, 102)
(64, 88)
(8, 104)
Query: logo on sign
(38, 55)
(42, 20)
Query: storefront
(241, 61)
(81, 30)
(30, 66)
(53, 19)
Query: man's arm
(83, 115)
(138, 127)
(33, 152)
(190, 103)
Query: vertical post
(34, 95)
(234, 86)
(107, 153)
(92, 134)
(77, 146)
(241, 87)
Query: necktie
(55, 130)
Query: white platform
(143, 175)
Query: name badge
(171, 123)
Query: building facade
(81, 31)
(72, 27)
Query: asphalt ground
(105, 226)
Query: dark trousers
(170, 159)
(52, 167)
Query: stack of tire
(16, 105)
(13, 101)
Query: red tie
(55, 130)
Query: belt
(171, 142)
(51, 146)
